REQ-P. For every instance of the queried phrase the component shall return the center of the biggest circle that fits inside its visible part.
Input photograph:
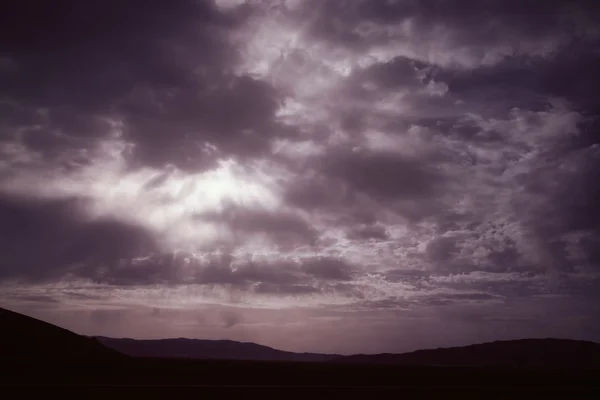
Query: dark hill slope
(551, 353)
(206, 349)
(23, 338)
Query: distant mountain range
(206, 349)
(24, 338)
(551, 353)
(514, 353)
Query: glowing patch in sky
(168, 202)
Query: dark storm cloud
(333, 194)
(86, 55)
(368, 232)
(518, 90)
(384, 176)
(48, 239)
(399, 73)
(282, 228)
(328, 269)
(420, 85)
(579, 194)
(565, 221)
(407, 186)
(481, 248)
(319, 191)
(173, 125)
(527, 81)
(162, 70)
(477, 24)
(347, 171)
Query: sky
(355, 176)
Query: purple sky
(330, 176)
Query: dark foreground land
(203, 377)
(40, 359)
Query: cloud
(161, 71)
(328, 269)
(367, 232)
(384, 176)
(190, 126)
(223, 269)
(48, 239)
(280, 227)
(283, 289)
(36, 299)
(472, 34)
(394, 166)
(248, 273)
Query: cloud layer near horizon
(314, 175)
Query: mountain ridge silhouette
(528, 352)
(24, 338)
(27, 338)
(206, 349)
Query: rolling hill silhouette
(542, 353)
(35, 354)
(207, 349)
(23, 338)
(538, 353)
